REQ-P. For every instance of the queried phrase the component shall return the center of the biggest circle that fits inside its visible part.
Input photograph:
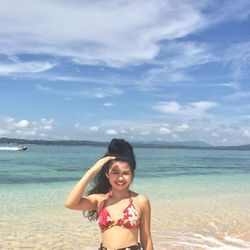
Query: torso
(117, 235)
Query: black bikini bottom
(134, 247)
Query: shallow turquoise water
(160, 173)
(48, 164)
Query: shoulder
(140, 199)
(143, 200)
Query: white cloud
(99, 93)
(11, 123)
(144, 133)
(175, 136)
(25, 133)
(167, 107)
(174, 62)
(4, 132)
(213, 131)
(238, 58)
(47, 124)
(233, 85)
(247, 117)
(25, 67)
(215, 134)
(224, 140)
(42, 88)
(182, 127)
(77, 125)
(108, 104)
(191, 109)
(22, 124)
(238, 95)
(107, 91)
(203, 105)
(94, 128)
(227, 10)
(111, 132)
(246, 133)
(62, 28)
(25, 128)
(164, 130)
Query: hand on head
(100, 163)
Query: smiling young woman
(122, 215)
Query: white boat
(22, 147)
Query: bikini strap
(130, 197)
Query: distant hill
(51, 142)
(151, 144)
(182, 143)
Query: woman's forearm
(75, 195)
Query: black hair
(123, 151)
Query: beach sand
(35, 218)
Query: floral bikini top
(129, 218)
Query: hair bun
(119, 147)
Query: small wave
(9, 148)
(194, 241)
(28, 180)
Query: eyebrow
(115, 168)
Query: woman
(122, 214)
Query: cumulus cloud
(165, 130)
(182, 127)
(191, 109)
(203, 105)
(4, 132)
(22, 124)
(25, 128)
(167, 107)
(246, 133)
(12, 123)
(111, 132)
(94, 128)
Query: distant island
(151, 144)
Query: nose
(120, 177)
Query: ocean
(200, 198)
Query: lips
(120, 183)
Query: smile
(120, 183)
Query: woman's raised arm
(75, 199)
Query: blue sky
(141, 70)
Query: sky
(144, 70)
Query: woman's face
(119, 175)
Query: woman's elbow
(68, 204)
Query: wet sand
(37, 219)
